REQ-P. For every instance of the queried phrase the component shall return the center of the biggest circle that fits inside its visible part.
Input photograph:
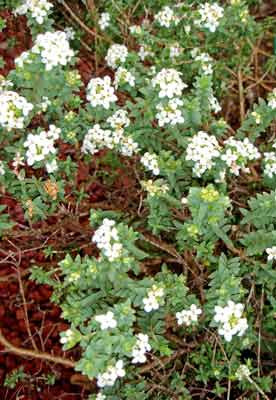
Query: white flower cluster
(96, 139)
(68, 335)
(150, 162)
(109, 377)
(100, 92)
(106, 238)
(106, 320)
(170, 82)
(41, 145)
(100, 396)
(205, 60)
(272, 99)
(39, 9)
(104, 20)
(119, 120)
(14, 109)
(230, 320)
(243, 372)
(54, 49)
(187, 317)
(141, 347)
(122, 75)
(152, 302)
(238, 153)
(116, 54)
(166, 17)
(156, 188)
(45, 103)
(215, 106)
(128, 147)
(271, 251)
(202, 150)
(170, 113)
(210, 14)
(270, 164)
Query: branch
(35, 354)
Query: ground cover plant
(137, 199)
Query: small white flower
(2, 169)
(106, 238)
(41, 146)
(166, 17)
(100, 92)
(135, 29)
(187, 29)
(100, 396)
(68, 335)
(14, 110)
(150, 161)
(175, 50)
(45, 103)
(215, 106)
(145, 51)
(271, 253)
(152, 302)
(51, 166)
(270, 164)
(70, 33)
(39, 9)
(170, 83)
(128, 147)
(210, 14)
(187, 317)
(202, 150)
(104, 20)
(96, 139)
(109, 377)
(230, 320)
(53, 48)
(257, 117)
(206, 62)
(184, 201)
(140, 348)
(243, 372)
(238, 153)
(169, 113)
(122, 76)
(272, 99)
(106, 320)
(116, 55)
(156, 188)
(119, 120)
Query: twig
(22, 293)
(260, 390)
(35, 354)
(241, 95)
(162, 362)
